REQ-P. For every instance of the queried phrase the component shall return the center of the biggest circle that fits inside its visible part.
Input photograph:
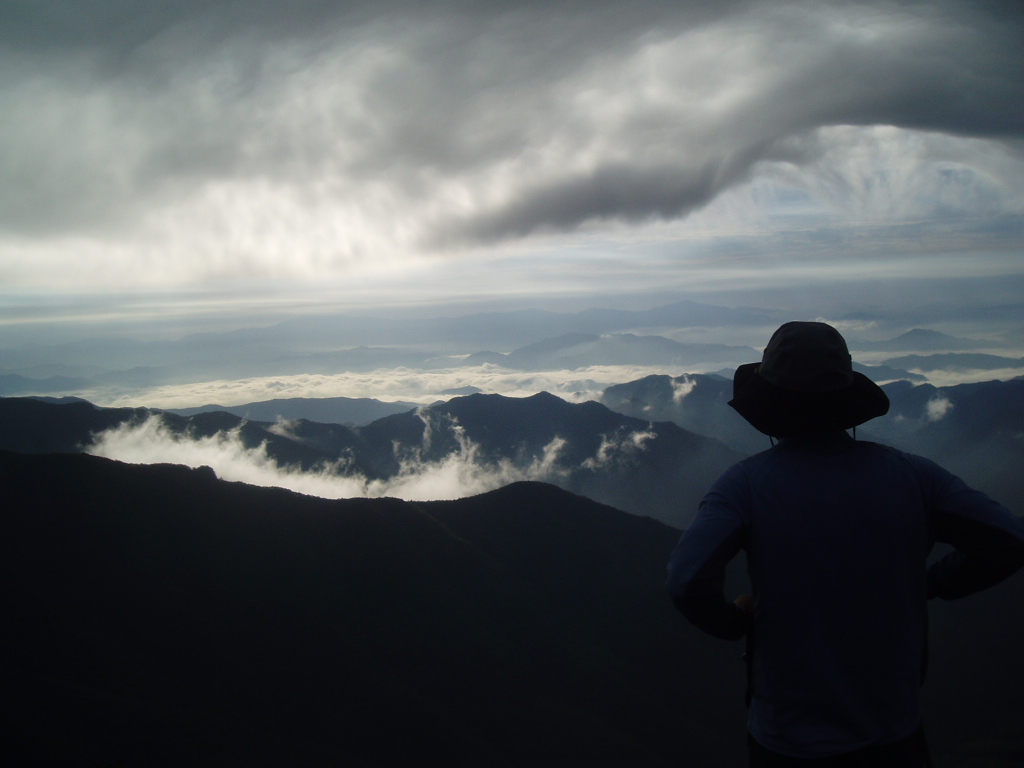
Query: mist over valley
(575, 355)
(651, 446)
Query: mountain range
(529, 340)
(651, 446)
(577, 350)
(699, 403)
(922, 340)
(166, 618)
(341, 342)
(568, 351)
(656, 469)
(956, 361)
(975, 430)
(353, 411)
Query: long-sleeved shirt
(837, 534)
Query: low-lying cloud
(427, 386)
(681, 387)
(943, 379)
(936, 408)
(405, 384)
(463, 472)
(618, 448)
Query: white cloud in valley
(681, 387)
(937, 408)
(618, 448)
(463, 472)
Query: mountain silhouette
(654, 469)
(33, 425)
(652, 447)
(578, 350)
(326, 410)
(972, 429)
(956, 361)
(163, 617)
(696, 402)
(922, 340)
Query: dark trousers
(911, 752)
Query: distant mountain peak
(923, 333)
(922, 340)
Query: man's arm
(696, 570)
(989, 540)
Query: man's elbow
(713, 614)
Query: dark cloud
(611, 192)
(120, 26)
(951, 69)
(463, 121)
(947, 73)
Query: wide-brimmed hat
(805, 384)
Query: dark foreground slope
(156, 616)
(163, 617)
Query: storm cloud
(159, 143)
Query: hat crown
(807, 357)
(805, 385)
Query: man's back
(837, 541)
(837, 534)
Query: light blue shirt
(837, 534)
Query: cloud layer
(428, 386)
(403, 384)
(157, 143)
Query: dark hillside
(30, 425)
(167, 618)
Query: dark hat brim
(785, 413)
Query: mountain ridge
(351, 411)
(648, 468)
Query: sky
(193, 164)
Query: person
(837, 533)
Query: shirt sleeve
(987, 537)
(696, 570)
